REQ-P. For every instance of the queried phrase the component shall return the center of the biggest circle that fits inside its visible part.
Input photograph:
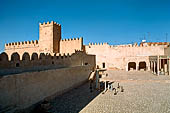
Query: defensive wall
(38, 62)
(31, 71)
(28, 79)
(70, 45)
(118, 56)
(21, 47)
(109, 56)
(50, 41)
(49, 37)
(19, 91)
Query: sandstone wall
(49, 40)
(23, 90)
(100, 50)
(35, 62)
(70, 45)
(119, 56)
(49, 37)
(22, 47)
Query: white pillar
(137, 66)
(166, 68)
(127, 67)
(149, 65)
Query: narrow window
(17, 64)
(52, 62)
(103, 65)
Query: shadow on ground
(73, 101)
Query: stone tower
(49, 37)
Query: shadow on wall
(71, 102)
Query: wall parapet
(41, 61)
(135, 45)
(23, 93)
(49, 23)
(21, 44)
(72, 39)
(70, 45)
(99, 44)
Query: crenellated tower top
(49, 37)
(49, 23)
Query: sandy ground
(143, 93)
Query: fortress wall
(40, 62)
(23, 90)
(70, 45)
(100, 50)
(115, 56)
(49, 37)
(21, 47)
(122, 63)
(137, 51)
(25, 44)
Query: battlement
(21, 44)
(48, 24)
(134, 45)
(160, 44)
(72, 39)
(35, 56)
(99, 44)
(70, 45)
(42, 60)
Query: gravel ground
(143, 93)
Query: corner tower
(49, 37)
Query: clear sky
(112, 21)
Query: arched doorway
(142, 65)
(131, 66)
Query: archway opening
(3, 57)
(15, 57)
(142, 65)
(34, 56)
(17, 65)
(131, 66)
(26, 56)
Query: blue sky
(112, 21)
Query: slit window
(103, 65)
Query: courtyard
(143, 93)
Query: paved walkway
(143, 93)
